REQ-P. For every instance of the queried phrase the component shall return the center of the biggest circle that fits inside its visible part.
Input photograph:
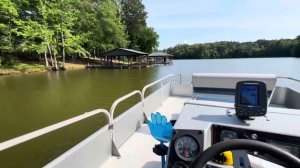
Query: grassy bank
(70, 66)
(22, 68)
(25, 68)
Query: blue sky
(201, 21)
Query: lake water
(30, 102)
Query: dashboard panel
(288, 143)
(209, 124)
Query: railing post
(162, 92)
(179, 78)
(115, 151)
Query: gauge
(187, 148)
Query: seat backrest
(227, 81)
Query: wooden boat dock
(123, 58)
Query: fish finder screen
(249, 95)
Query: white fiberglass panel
(127, 123)
(91, 152)
(166, 91)
(152, 102)
(156, 99)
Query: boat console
(201, 125)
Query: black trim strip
(223, 91)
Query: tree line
(54, 31)
(223, 49)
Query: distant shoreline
(230, 49)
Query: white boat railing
(142, 94)
(156, 82)
(119, 132)
(119, 100)
(37, 133)
(290, 78)
(159, 93)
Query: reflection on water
(30, 102)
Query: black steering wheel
(245, 144)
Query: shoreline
(32, 68)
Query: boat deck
(137, 152)
(133, 153)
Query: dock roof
(124, 52)
(160, 54)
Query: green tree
(39, 29)
(62, 16)
(88, 25)
(259, 48)
(100, 23)
(8, 12)
(68, 15)
(47, 33)
(134, 16)
(36, 34)
(296, 47)
(148, 40)
(32, 36)
(111, 27)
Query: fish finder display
(250, 99)
(249, 95)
